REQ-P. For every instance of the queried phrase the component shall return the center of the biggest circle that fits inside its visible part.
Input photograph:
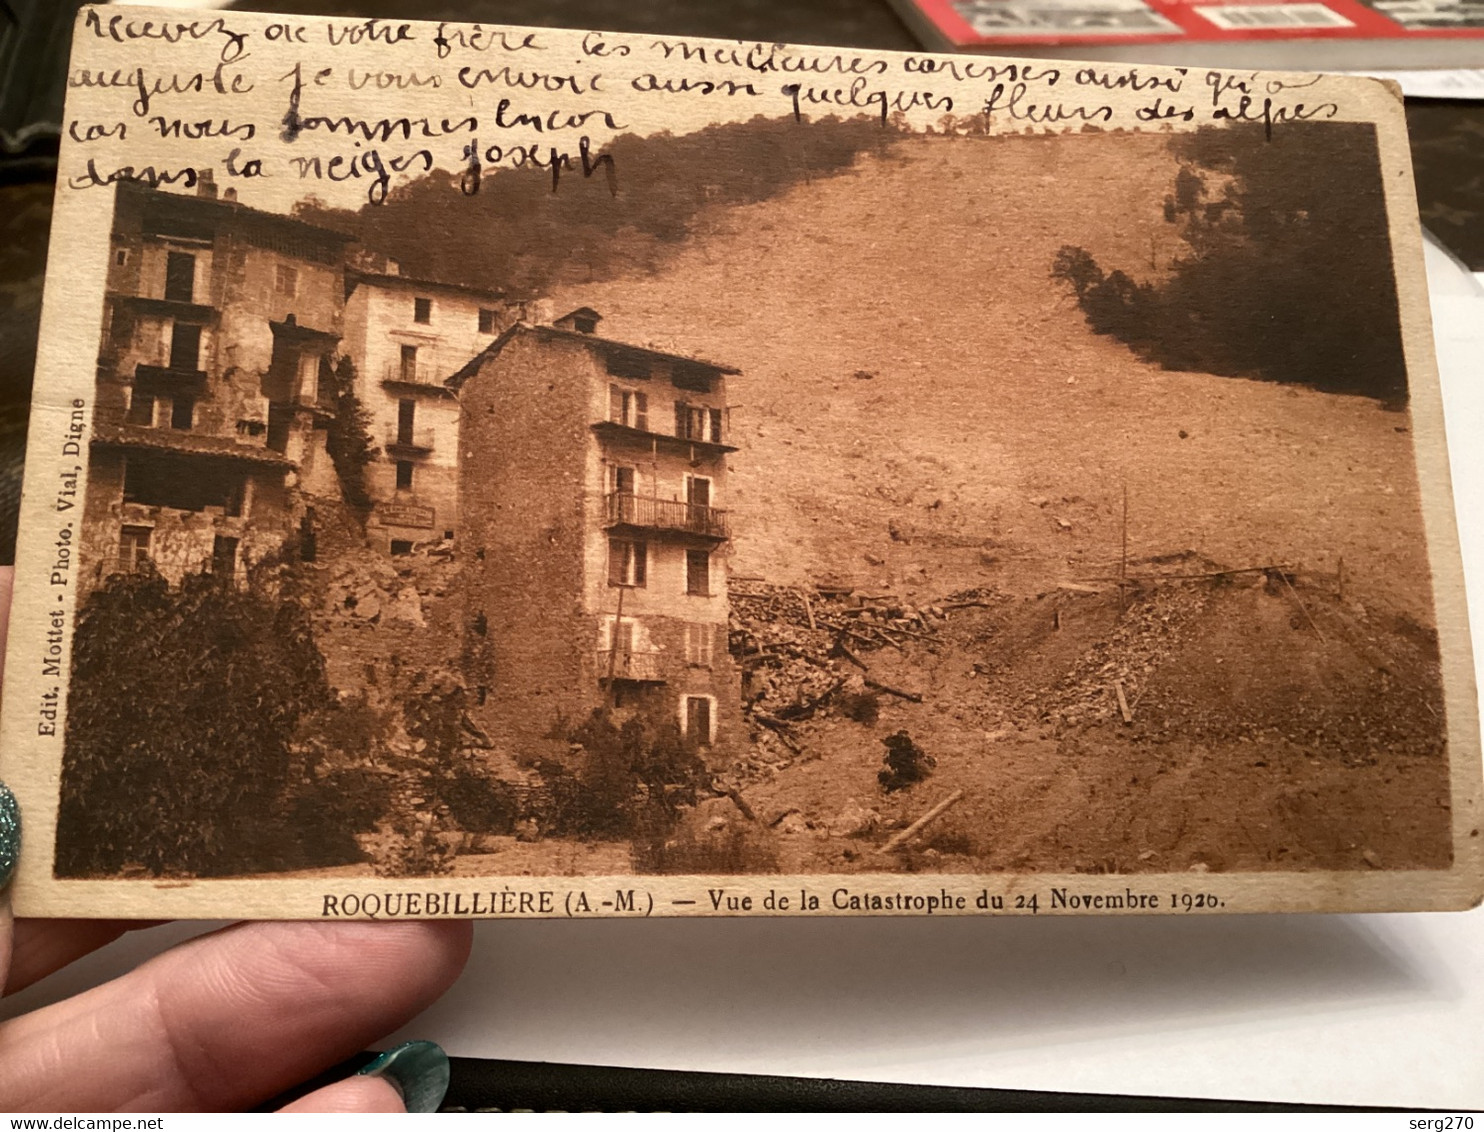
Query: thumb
(10, 851)
(413, 1077)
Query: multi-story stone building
(208, 433)
(592, 474)
(406, 337)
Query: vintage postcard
(486, 471)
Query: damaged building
(219, 322)
(592, 475)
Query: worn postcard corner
(485, 471)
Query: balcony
(185, 310)
(627, 665)
(409, 441)
(642, 513)
(419, 378)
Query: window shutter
(641, 555)
(682, 419)
(615, 404)
(641, 411)
(617, 553)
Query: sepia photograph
(819, 486)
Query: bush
(477, 803)
(906, 763)
(863, 707)
(179, 756)
(624, 781)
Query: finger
(44, 946)
(222, 1022)
(354, 1094)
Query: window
(627, 561)
(406, 411)
(308, 537)
(404, 475)
(134, 548)
(698, 491)
(409, 363)
(698, 720)
(121, 256)
(625, 481)
(180, 277)
(182, 413)
(185, 346)
(286, 280)
(141, 409)
(699, 644)
(224, 556)
(696, 422)
(627, 407)
(422, 311)
(698, 572)
(622, 637)
(401, 546)
(486, 321)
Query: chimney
(206, 184)
(229, 195)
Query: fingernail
(10, 834)
(417, 1070)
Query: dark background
(1448, 150)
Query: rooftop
(456, 381)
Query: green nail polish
(418, 1070)
(10, 834)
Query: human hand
(224, 1022)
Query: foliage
(522, 236)
(479, 804)
(180, 754)
(1287, 272)
(628, 780)
(348, 435)
(906, 763)
(734, 851)
(413, 849)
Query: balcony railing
(629, 665)
(626, 510)
(409, 440)
(419, 374)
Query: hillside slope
(921, 405)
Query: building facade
(406, 337)
(594, 534)
(208, 435)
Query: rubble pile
(370, 588)
(800, 649)
(1146, 635)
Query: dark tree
(348, 437)
(520, 234)
(179, 753)
(1288, 274)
